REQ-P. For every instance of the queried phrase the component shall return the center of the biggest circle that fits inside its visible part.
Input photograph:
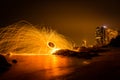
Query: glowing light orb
(51, 44)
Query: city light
(104, 26)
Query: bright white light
(104, 26)
(54, 50)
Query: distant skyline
(74, 19)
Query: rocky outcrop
(4, 65)
(115, 42)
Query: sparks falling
(22, 37)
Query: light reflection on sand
(40, 66)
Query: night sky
(76, 19)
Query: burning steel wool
(23, 37)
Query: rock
(14, 61)
(4, 65)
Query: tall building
(100, 35)
(104, 35)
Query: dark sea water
(40, 67)
(52, 67)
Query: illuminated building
(100, 35)
(104, 35)
(84, 43)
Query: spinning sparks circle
(23, 37)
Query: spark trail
(23, 37)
